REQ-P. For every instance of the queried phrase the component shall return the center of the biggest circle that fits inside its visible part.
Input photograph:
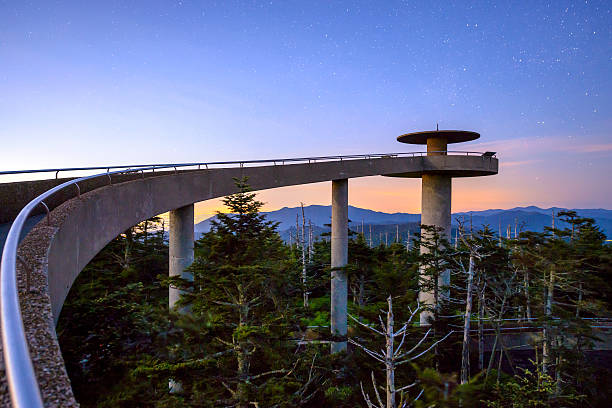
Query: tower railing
(241, 163)
(22, 383)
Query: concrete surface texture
(436, 146)
(435, 211)
(181, 249)
(339, 259)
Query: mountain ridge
(529, 218)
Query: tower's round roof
(451, 136)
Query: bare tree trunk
(361, 297)
(304, 258)
(579, 300)
(408, 240)
(501, 356)
(481, 329)
(390, 361)
(310, 239)
(498, 322)
(392, 357)
(370, 225)
(492, 356)
(465, 354)
(558, 371)
(456, 237)
(146, 232)
(515, 228)
(297, 230)
(546, 349)
(471, 226)
(436, 313)
(527, 299)
(243, 353)
(127, 253)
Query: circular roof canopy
(451, 136)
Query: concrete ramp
(60, 246)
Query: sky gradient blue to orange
(84, 83)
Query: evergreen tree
(243, 304)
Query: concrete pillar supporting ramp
(181, 249)
(339, 258)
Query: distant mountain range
(528, 218)
(387, 227)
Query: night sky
(84, 83)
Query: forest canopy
(257, 328)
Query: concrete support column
(181, 248)
(339, 258)
(435, 210)
(437, 146)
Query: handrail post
(46, 208)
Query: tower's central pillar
(435, 210)
(437, 146)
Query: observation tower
(439, 167)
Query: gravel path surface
(37, 317)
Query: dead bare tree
(546, 333)
(303, 245)
(481, 311)
(392, 357)
(408, 242)
(465, 350)
(473, 249)
(310, 239)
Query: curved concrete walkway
(79, 228)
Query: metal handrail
(20, 375)
(290, 160)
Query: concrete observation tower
(437, 187)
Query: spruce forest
(520, 324)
